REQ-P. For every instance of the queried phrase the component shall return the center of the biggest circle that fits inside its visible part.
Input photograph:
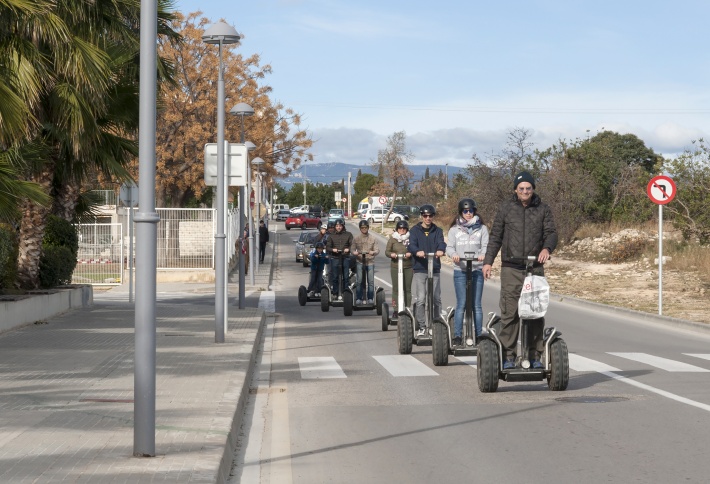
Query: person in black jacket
(424, 238)
(523, 226)
(338, 247)
(263, 239)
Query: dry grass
(687, 257)
(589, 230)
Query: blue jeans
(339, 267)
(476, 293)
(370, 270)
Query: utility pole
(350, 204)
(446, 186)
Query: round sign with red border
(345, 199)
(383, 199)
(661, 189)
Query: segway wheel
(487, 362)
(347, 303)
(558, 378)
(385, 310)
(405, 334)
(325, 299)
(302, 296)
(305, 262)
(440, 344)
(379, 302)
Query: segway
(386, 319)
(303, 296)
(326, 292)
(350, 292)
(490, 353)
(443, 334)
(406, 328)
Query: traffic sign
(383, 200)
(236, 168)
(661, 189)
(129, 194)
(345, 199)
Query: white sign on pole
(129, 194)
(236, 168)
(337, 196)
(661, 190)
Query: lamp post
(258, 162)
(241, 110)
(446, 186)
(220, 34)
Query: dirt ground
(631, 285)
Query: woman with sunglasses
(467, 234)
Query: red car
(304, 221)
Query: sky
(458, 76)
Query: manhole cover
(591, 399)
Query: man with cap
(523, 226)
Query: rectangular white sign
(236, 168)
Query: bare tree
(392, 163)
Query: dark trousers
(316, 280)
(339, 267)
(262, 250)
(407, 274)
(511, 284)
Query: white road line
(662, 363)
(267, 301)
(469, 360)
(404, 365)
(383, 282)
(704, 356)
(317, 367)
(580, 363)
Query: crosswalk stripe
(580, 363)
(404, 365)
(704, 356)
(469, 360)
(662, 363)
(318, 367)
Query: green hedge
(60, 247)
(8, 256)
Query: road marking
(404, 365)
(280, 456)
(580, 363)
(662, 363)
(383, 282)
(469, 360)
(267, 301)
(317, 367)
(704, 356)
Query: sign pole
(660, 260)
(661, 190)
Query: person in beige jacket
(365, 248)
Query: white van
(278, 206)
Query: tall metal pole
(242, 260)
(350, 205)
(251, 226)
(446, 186)
(258, 216)
(220, 236)
(147, 241)
(660, 259)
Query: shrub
(8, 256)
(60, 247)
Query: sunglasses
(426, 215)
(467, 211)
(525, 189)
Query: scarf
(403, 239)
(468, 225)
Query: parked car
(411, 210)
(277, 207)
(299, 210)
(303, 247)
(303, 221)
(335, 214)
(283, 214)
(374, 215)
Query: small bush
(60, 247)
(8, 256)
(53, 267)
(627, 249)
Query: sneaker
(370, 301)
(421, 332)
(456, 341)
(340, 298)
(317, 294)
(509, 363)
(358, 302)
(311, 294)
(537, 364)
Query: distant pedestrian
(263, 239)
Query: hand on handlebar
(455, 258)
(393, 255)
(420, 254)
(439, 253)
(346, 250)
(543, 256)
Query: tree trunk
(65, 200)
(32, 226)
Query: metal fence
(185, 241)
(100, 256)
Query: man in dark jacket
(338, 247)
(263, 239)
(425, 238)
(523, 226)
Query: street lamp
(446, 186)
(258, 163)
(220, 34)
(241, 110)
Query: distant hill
(333, 172)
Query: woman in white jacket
(467, 234)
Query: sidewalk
(66, 389)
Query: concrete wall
(39, 307)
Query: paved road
(335, 402)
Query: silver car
(283, 214)
(303, 247)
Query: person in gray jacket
(523, 226)
(467, 234)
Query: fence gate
(100, 258)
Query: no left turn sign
(383, 200)
(661, 189)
